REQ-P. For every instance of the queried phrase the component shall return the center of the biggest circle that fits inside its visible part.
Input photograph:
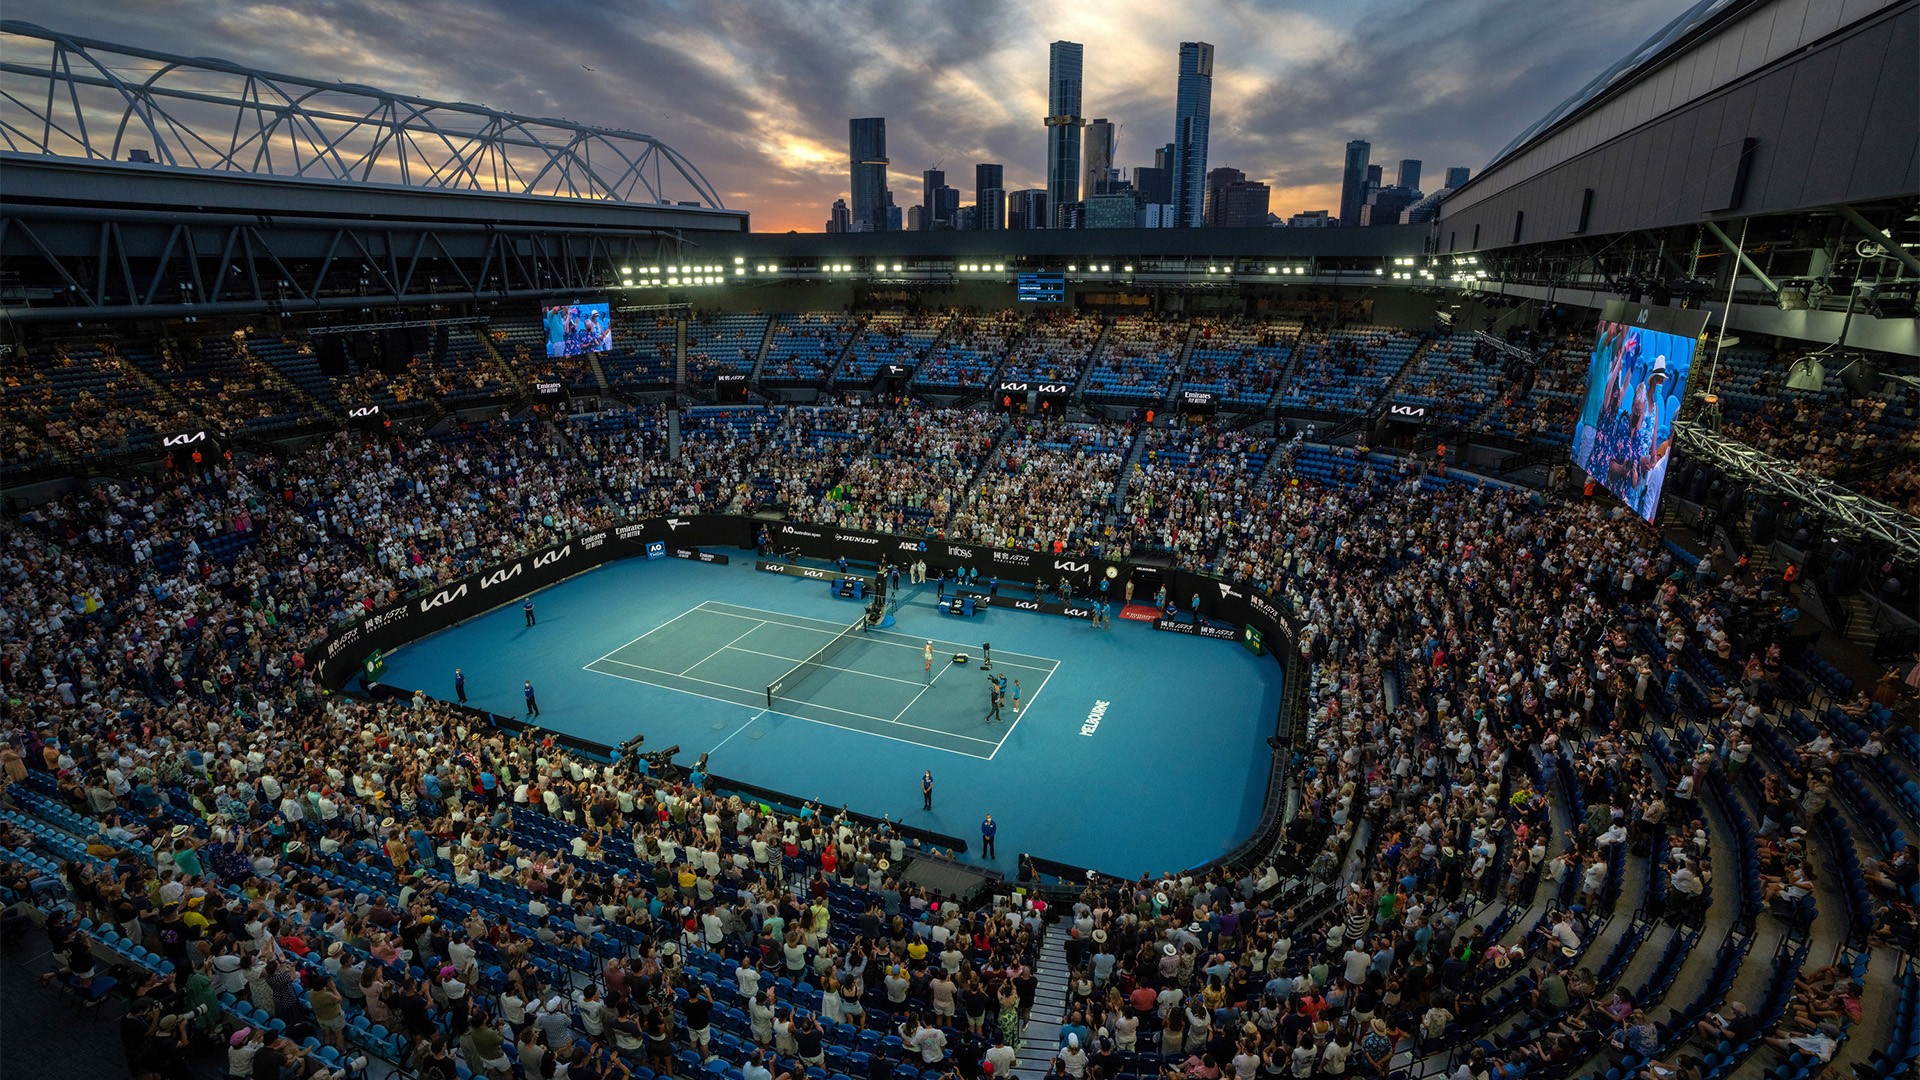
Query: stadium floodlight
(1071, 268)
(1213, 269)
(1128, 268)
(673, 281)
(999, 267)
(739, 270)
(1273, 269)
(897, 268)
(739, 259)
(627, 270)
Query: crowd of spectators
(1049, 487)
(971, 350)
(1829, 439)
(488, 897)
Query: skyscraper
(1217, 182)
(867, 161)
(840, 219)
(1193, 110)
(1457, 176)
(1155, 185)
(1374, 173)
(989, 197)
(1063, 124)
(1353, 182)
(1027, 209)
(1410, 174)
(1098, 156)
(936, 199)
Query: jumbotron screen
(1040, 288)
(1636, 384)
(578, 329)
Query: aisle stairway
(1040, 1038)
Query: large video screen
(578, 329)
(1040, 288)
(1636, 385)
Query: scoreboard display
(1040, 288)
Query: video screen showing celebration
(578, 329)
(1636, 385)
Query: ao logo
(488, 581)
(443, 597)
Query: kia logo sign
(489, 580)
(552, 557)
(1077, 613)
(1027, 605)
(362, 412)
(184, 440)
(1411, 411)
(443, 597)
(1072, 567)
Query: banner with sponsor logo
(825, 542)
(1042, 607)
(1205, 630)
(337, 659)
(768, 566)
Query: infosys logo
(959, 552)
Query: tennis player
(927, 655)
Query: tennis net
(811, 664)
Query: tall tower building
(1410, 174)
(1457, 176)
(1218, 180)
(840, 218)
(989, 197)
(867, 161)
(933, 188)
(1193, 111)
(1099, 148)
(1063, 123)
(1353, 182)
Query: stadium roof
(1668, 40)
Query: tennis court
(870, 681)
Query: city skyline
(760, 97)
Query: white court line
(814, 704)
(823, 667)
(738, 730)
(924, 689)
(917, 642)
(807, 719)
(662, 626)
(714, 653)
(1017, 717)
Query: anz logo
(549, 558)
(444, 596)
(183, 440)
(488, 581)
(1072, 567)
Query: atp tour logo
(551, 557)
(184, 440)
(489, 580)
(1072, 567)
(443, 597)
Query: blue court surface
(1171, 774)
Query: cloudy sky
(757, 92)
